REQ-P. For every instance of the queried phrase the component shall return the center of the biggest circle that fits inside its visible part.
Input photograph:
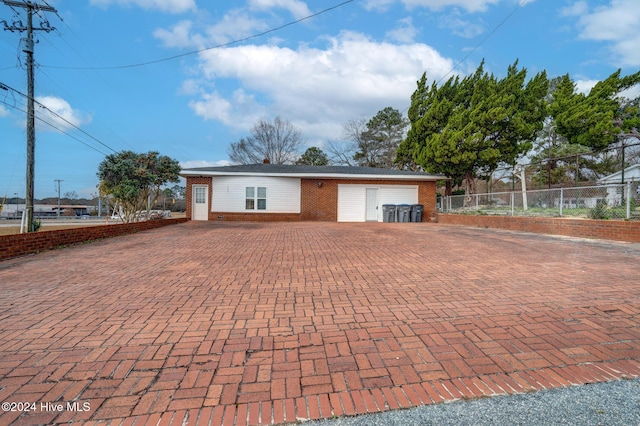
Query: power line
(53, 126)
(472, 51)
(107, 82)
(487, 37)
(194, 52)
(41, 105)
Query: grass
(15, 229)
(12, 227)
(611, 212)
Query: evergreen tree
(378, 144)
(313, 156)
(596, 120)
(467, 127)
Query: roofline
(351, 176)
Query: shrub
(600, 211)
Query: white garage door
(352, 199)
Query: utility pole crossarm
(31, 5)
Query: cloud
(179, 36)
(459, 26)
(240, 111)
(169, 6)
(59, 113)
(316, 89)
(616, 24)
(468, 5)
(192, 164)
(579, 8)
(585, 86)
(233, 26)
(297, 8)
(378, 5)
(3, 111)
(405, 32)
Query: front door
(372, 205)
(200, 202)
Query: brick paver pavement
(243, 323)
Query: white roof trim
(350, 176)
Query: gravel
(611, 403)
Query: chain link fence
(595, 202)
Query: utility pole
(31, 8)
(58, 182)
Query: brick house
(271, 192)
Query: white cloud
(180, 36)
(3, 111)
(468, 5)
(459, 26)
(241, 111)
(59, 113)
(233, 26)
(297, 8)
(316, 89)
(617, 24)
(405, 32)
(169, 6)
(192, 164)
(579, 8)
(585, 86)
(378, 5)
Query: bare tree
(342, 152)
(277, 141)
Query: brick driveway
(243, 323)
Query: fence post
(561, 199)
(476, 201)
(628, 216)
(512, 204)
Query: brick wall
(321, 203)
(318, 203)
(618, 230)
(23, 244)
(197, 181)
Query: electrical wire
(62, 53)
(59, 116)
(194, 52)
(484, 40)
(487, 37)
(55, 127)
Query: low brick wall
(23, 244)
(618, 230)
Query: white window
(255, 198)
(200, 194)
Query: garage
(291, 192)
(363, 203)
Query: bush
(600, 211)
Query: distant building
(14, 211)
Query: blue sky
(340, 65)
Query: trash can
(388, 212)
(416, 212)
(404, 212)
